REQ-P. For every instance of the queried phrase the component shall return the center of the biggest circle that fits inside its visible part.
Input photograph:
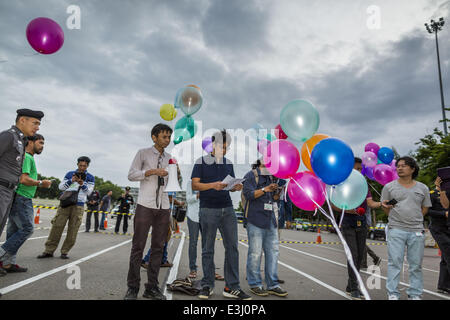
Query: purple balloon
(282, 159)
(372, 147)
(262, 145)
(369, 159)
(207, 145)
(383, 173)
(369, 173)
(45, 35)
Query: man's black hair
(410, 162)
(221, 137)
(36, 137)
(161, 127)
(257, 164)
(84, 159)
(358, 160)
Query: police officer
(440, 229)
(12, 152)
(126, 200)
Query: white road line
(345, 266)
(174, 270)
(53, 271)
(335, 290)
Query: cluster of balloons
(379, 164)
(45, 35)
(189, 100)
(329, 161)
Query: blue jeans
(102, 221)
(398, 241)
(20, 228)
(225, 220)
(260, 240)
(194, 228)
(164, 258)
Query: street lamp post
(434, 27)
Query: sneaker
(278, 292)
(64, 256)
(131, 294)
(393, 297)
(280, 281)
(414, 297)
(235, 294)
(377, 261)
(443, 290)
(15, 268)
(45, 255)
(355, 295)
(154, 294)
(259, 291)
(205, 293)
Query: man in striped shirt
(83, 182)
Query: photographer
(81, 183)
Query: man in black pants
(93, 201)
(126, 201)
(440, 229)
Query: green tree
(51, 193)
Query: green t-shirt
(29, 167)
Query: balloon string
(338, 231)
(307, 149)
(374, 189)
(342, 217)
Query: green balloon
(270, 137)
(351, 193)
(300, 120)
(185, 129)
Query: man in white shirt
(153, 210)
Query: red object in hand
(172, 161)
(360, 211)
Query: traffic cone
(178, 228)
(37, 217)
(319, 237)
(105, 224)
(439, 253)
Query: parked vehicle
(378, 232)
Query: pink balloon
(313, 189)
(372, 147)
(262, 145)
(45, 35)
(282, 159)
(279, 133)
(384, 173)
(369, 159)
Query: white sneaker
(414, 298)
(393, 297)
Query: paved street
(310, 271)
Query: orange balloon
(309, 146)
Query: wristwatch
(263, 190)
(40, 183)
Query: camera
(160, 181)
(80, 175)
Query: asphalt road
(98, 266)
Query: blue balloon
(332, 161)
(386, 155)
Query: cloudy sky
(369, 67)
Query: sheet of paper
(231, 182)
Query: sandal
(219, 277)
(193, 274)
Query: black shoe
(235, 294)
(14, 268)
(280, 281)
(96, 231)
(443, 290)
(278, 292)
(154, 294)
(87, 231)
(259, 291)
(355, 295)
(45, 255)
(205, 293)
(64, 256)
(131, 294)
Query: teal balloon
(351, 193)
(270, 137)
(185, 129)
(300, 120)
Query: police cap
(30, 113)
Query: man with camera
(20, 222)
(92, 205)
(125, 202)
(76, 186)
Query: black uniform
(440, 229)
(124, 208)
(12, 152)
(93, 200)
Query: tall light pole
(434, 27)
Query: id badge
(268, 206)
(358, 223)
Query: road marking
(174, 270)
(345, 266)
(53, 271)
(335, 290)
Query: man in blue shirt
(217, 212)
(259, 190)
